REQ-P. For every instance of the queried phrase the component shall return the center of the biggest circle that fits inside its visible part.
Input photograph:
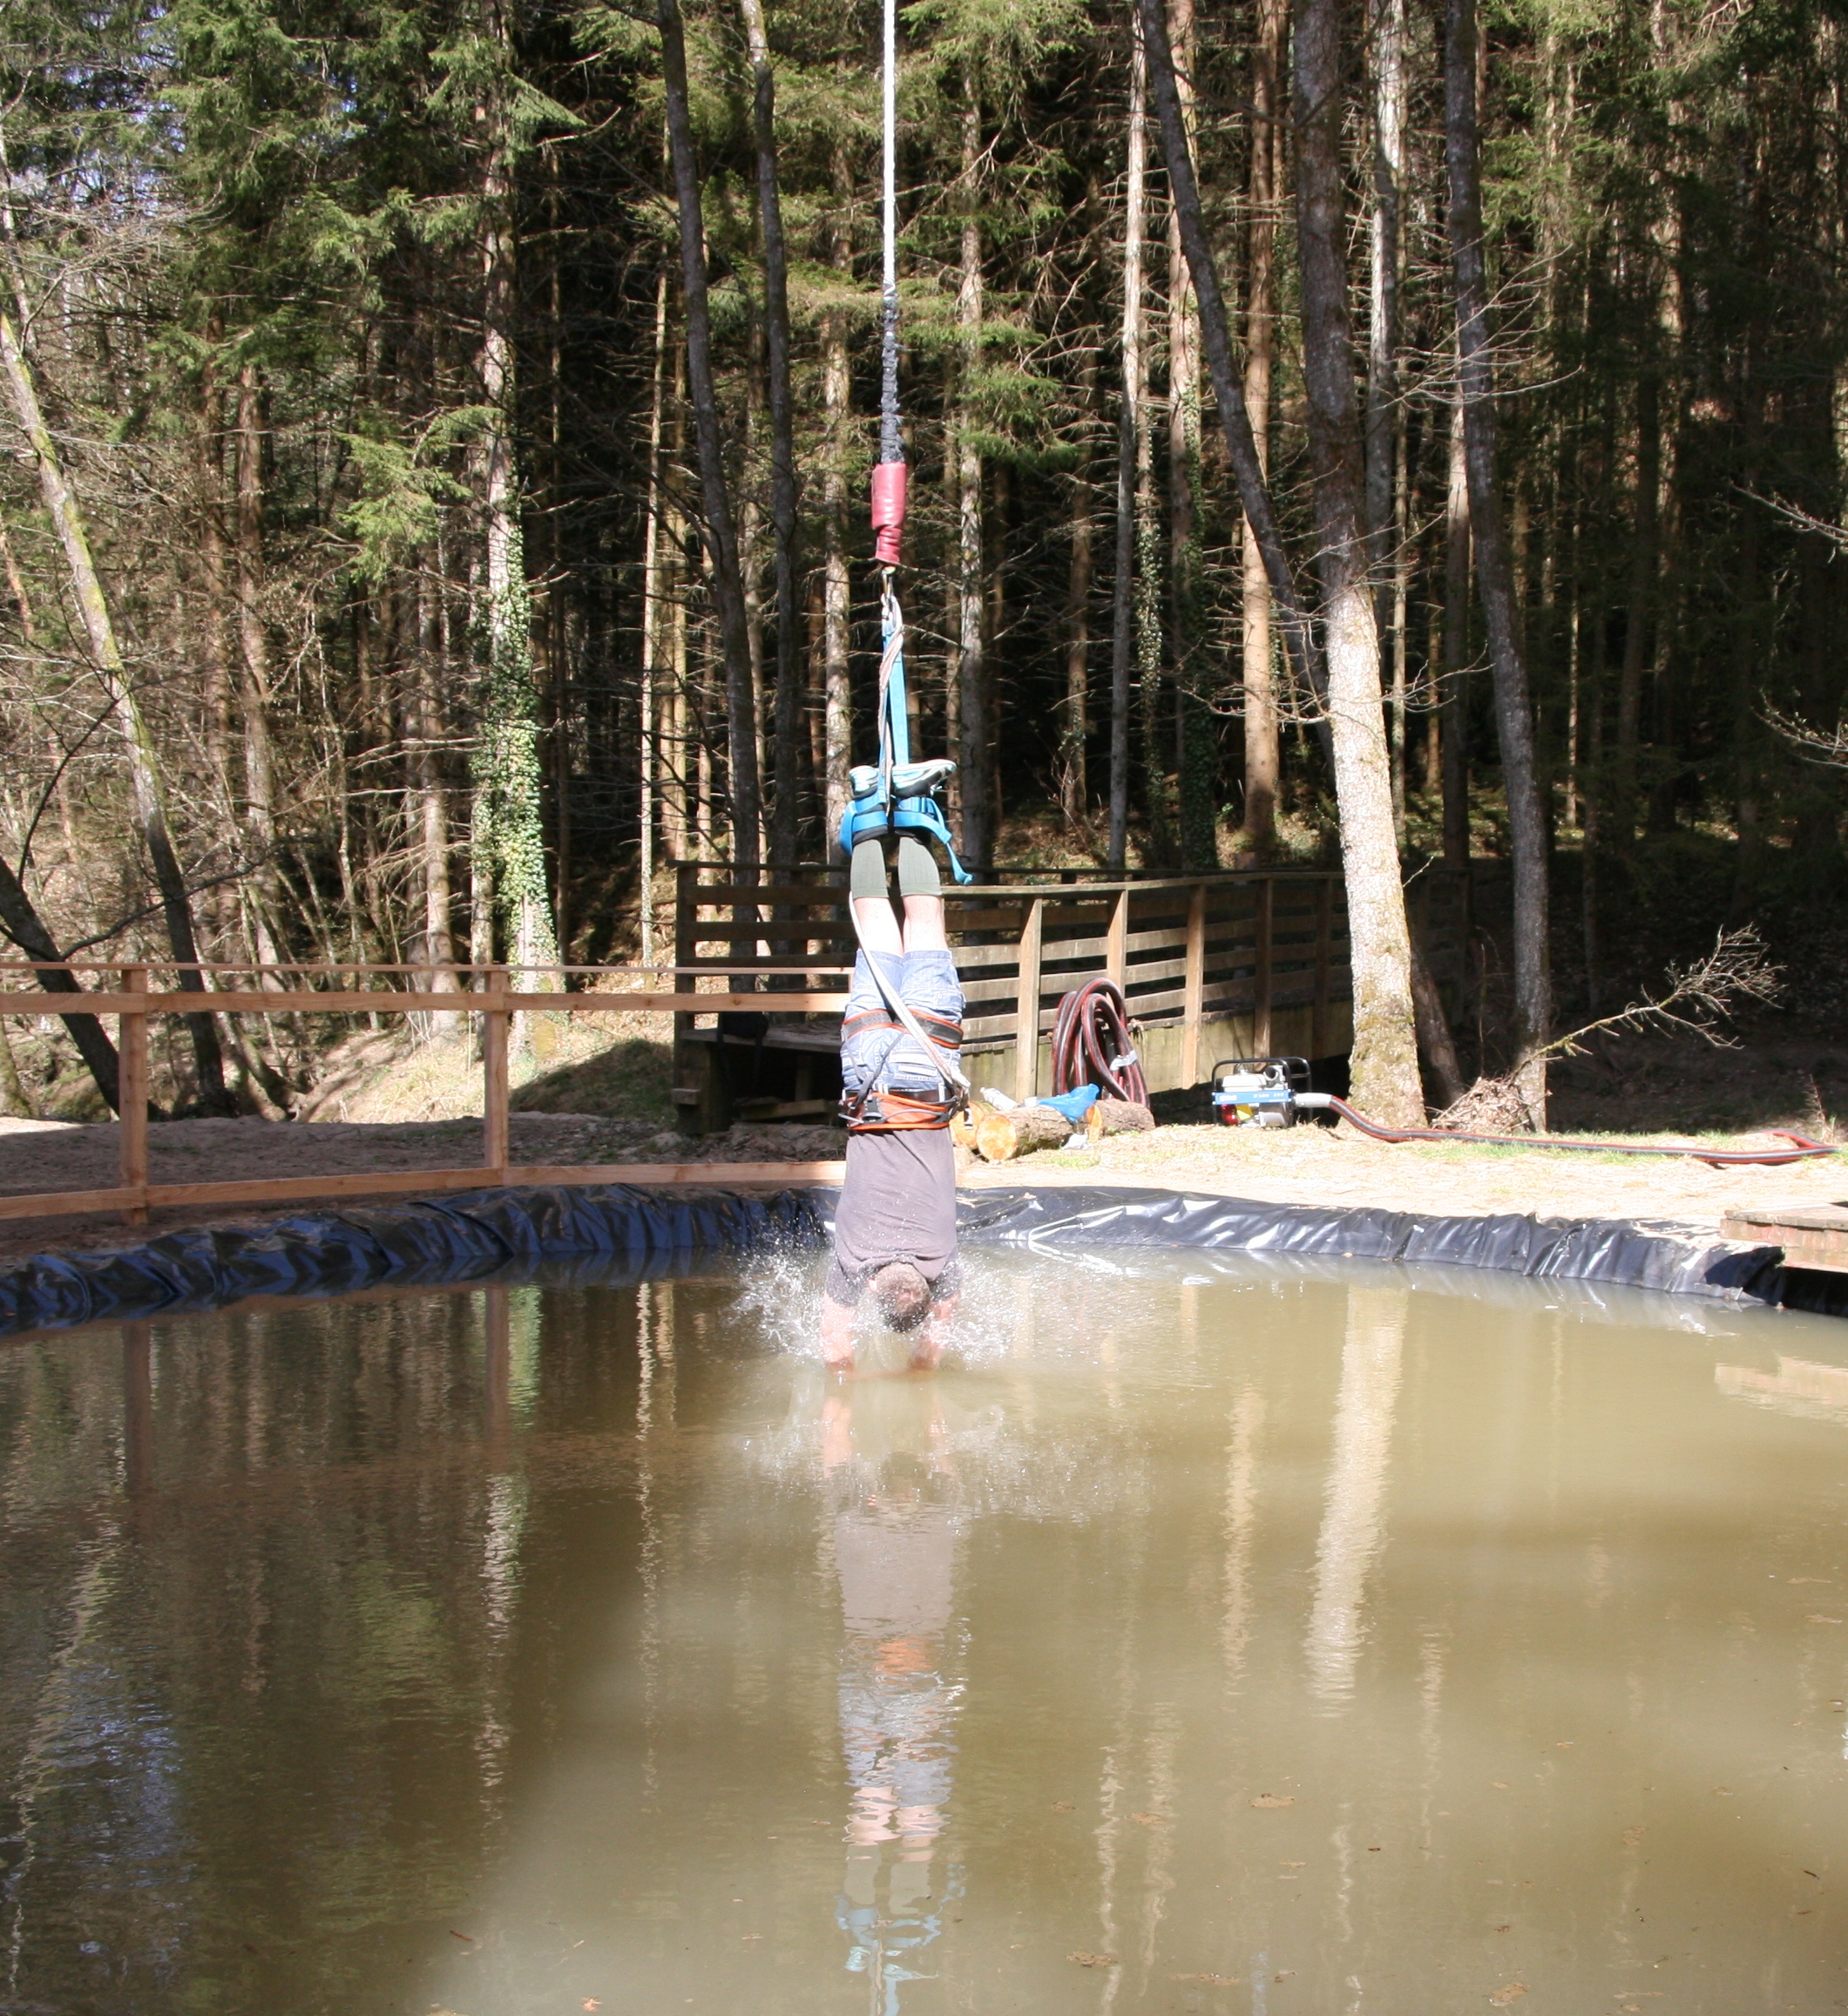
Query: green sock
(917, 873)
(866, 877)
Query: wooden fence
(1245, 962)
(451, 990)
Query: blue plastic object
(1074, 1105)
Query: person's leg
(874, 917)
(922, 891)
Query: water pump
(1263, 1092)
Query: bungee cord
(888, 520)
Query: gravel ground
(1307, 1165)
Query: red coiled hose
(1091, 1044)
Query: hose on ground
(1801, 1150)
(1091, 1044)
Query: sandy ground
(1308, 1165)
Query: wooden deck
(1812, 1236)
(1237, 964)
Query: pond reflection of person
(894, 1551)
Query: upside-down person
(894, 1227)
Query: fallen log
(1001, 1137)
(1118, 1116)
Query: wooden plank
(132, 1093)
(494, 1026)
(399, 1182)
(1261, 986)
(806, 895)
(1194, 985)
(1026, 1004)
(1813, 1237)
(394, 1002)
(832, 933)
(1119, 937)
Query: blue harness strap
(897, 795)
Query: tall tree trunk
(1074, 794)
(1263, 757)
(1514, 711)
(836, 589)
(1645, 560)
(652, 574)
(428, 798)
(1385, 429)
(787, 703)
(1130, 432)
(728, 584)
(508, 758)
(1196, 768)
(1384, 1057)
(1455, 688)
(259, 788)
(1215, 336)
(146, 783)
(978, 834)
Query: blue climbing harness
(894, 795)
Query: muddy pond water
(1206, 1635)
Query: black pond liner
(592, 1232)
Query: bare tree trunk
(836, 590)
(1195, 767)
(1130, 434)
(259, 789)
(510, 726)
(147, 785)
(429, 800)
(1514, 710)
(728, 584)
(978, 835)
(1645, 560)
(1455, 701)
(1074, 794)
(1262, 759)
(787, 705)
(648, 753)
(1384, 1057)
(1385, 431)
(1215, 336)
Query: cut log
(1118, 1116)
(1000, 1137)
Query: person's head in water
(901, 1294)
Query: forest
(437, 438)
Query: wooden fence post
(1026, 1003)
(1116, 946)
(1318, 1014)
(685, 941)
(132, 1091)
(494, 1020)
(1193, 1006)
(1261, 986)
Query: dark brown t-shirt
(898, 1202)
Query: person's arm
(836, 1336)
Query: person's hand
(836, 1336)
(932, 1334)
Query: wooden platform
(1813, 1235)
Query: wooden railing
(1188, 950)
(448, 989)
(1191, 953)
